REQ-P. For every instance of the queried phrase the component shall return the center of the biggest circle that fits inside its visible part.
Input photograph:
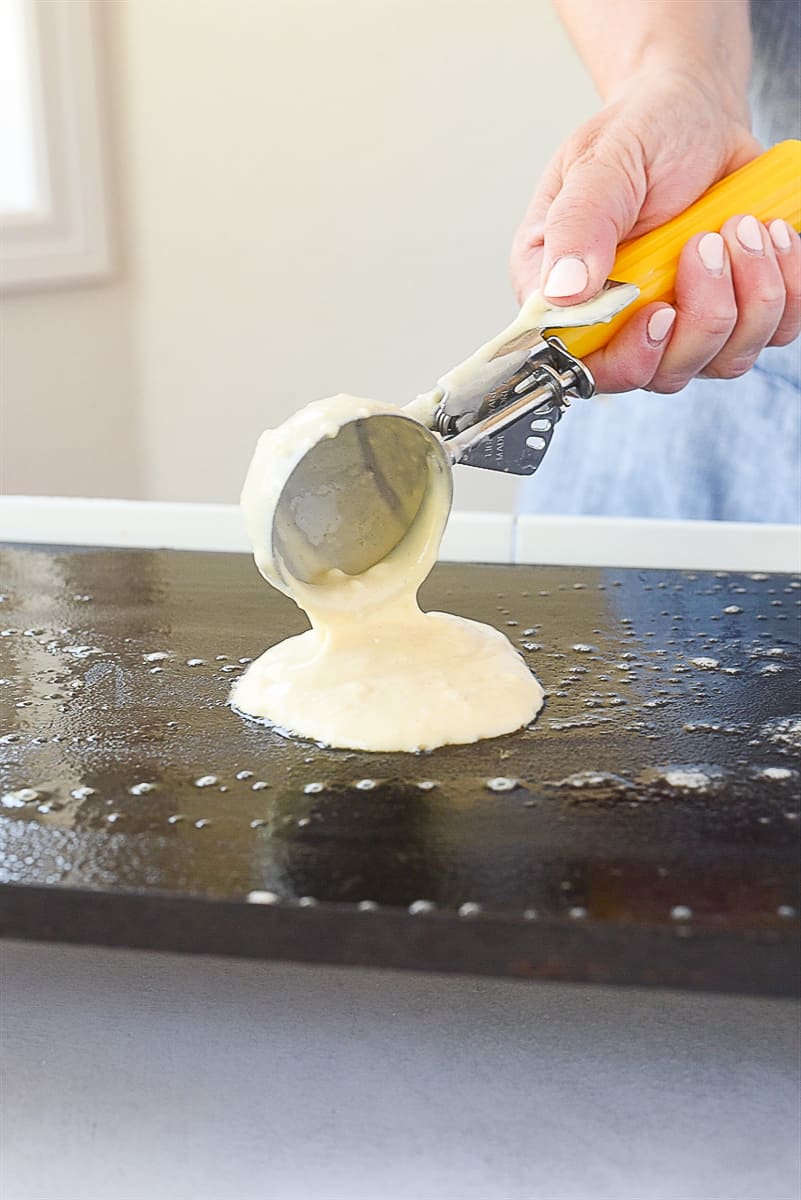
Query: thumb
(525, 264)
(595, 209)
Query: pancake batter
(374, 672)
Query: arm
(617, 39)
(673, 77)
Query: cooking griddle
(642, 831)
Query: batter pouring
(374, 672)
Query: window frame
(65, 238)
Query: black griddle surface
(643, 831)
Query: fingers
(759, 294)
(736, 292)
(733, 298)
(528, 244)
(586, 204)
(568, 239)
(525, 266)
(593, 211)
(706, 312)
(787, 248)
(705, 315)
(633, 356)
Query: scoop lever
(517, 419)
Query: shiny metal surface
(354, 497)
(644, 830)
(512, 430)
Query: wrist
(690, 80)
(708, 41)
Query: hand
(637, 163)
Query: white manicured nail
(780, 235)
(567, 277)
(749, 235)
(660, 324)
(711, 251)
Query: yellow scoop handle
(769, 187)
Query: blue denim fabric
(721, 449)
(725, 450)
(775, 91)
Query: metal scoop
(354, 497)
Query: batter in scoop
(374, 672)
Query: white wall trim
(66, 237)
(69, 520)
(470, 537)
(641, 542)
(485, 537)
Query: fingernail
(660, 324)
(780, 235)
(749, 235)
(567, 277)
(711, 252)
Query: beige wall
(310, 196)
(68, 425)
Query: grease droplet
(20, 798)
(501, 784)
(83, 793)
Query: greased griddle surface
(643, 830)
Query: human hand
(644, 158)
